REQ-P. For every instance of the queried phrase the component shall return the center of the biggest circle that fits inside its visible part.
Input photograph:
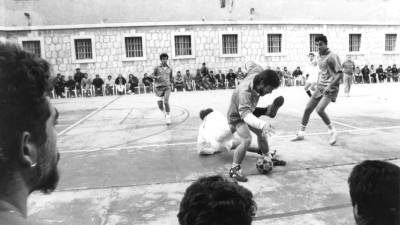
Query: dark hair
(24, 85)
(163, 55)
(215, 200)
(321, 38)
(375, 189)
(267, 77)
(205, 112)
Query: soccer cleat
(236, 174)
(273, 108)
(332, 132)
(299, 136)
(168, 119)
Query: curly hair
(203, 113)
(163, 55)
(375, 189)
(214, 200)
(268, 77)
(322, 38)
(24, 85)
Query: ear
(28, 150)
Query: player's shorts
(332, 94)
(160, 91)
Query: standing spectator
(120, 83)
(381, 74)
(86, 85)
(358, 75)
(98, 85)
(78, 76)
(109, 85)
(147, 81)
(372, 74)
(348, 70)
(395, 73)
(133, 83)
(389, 74)
(28, 138)
(215, 200)
(70, 85)
(375, 193)
(179, 83)
(231, 77)
(187, 79)
(59, 86)
(298, 76)
(203, 70)
(365, 73)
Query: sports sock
(303, 128)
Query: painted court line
(86, 117)
(194, 142)
(346, 125)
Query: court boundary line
(346, 125)
(86, 117)
(195, 142)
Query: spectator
(375, 193)
(78, 76)
(358, 76)
(395, 73)
(147, 81)
(28, 138)
(240, 74)
(365, 73)
(285, 78)
(287, 75)
(70, 84)
(231, 77)
(133, 83)
(120, 83)
(187, 79)
(206, 81)
(381, 75)
(59, 86)
(298, 76)
(109, 85)
(389, 74)
(179, 83)
(348, 70)
(211, 78)
(86, 85)
(372, 74)
(98, 85)
(203, 70)
(215, 200)
(220, 77)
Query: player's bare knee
(246, 141)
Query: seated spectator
(133, 83)
(231, 77)
(372, 74)
(206, 81)
(28, 138)
(395, 73)
(289, 81)
(211, 78)
(187, 79)
(120, 83)
(298, 76)
(198, 80)
(179, 81)
(109, 85)
(70, 84)
(78, 76)
(240, 74)
(389, 75)
(375, 193)
(381, 75)
(220, 77)
(86, 85)
(98, 85)
(357, 75)
(216, 200)
(147, 81)
(365, 73)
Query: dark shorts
(160, 91)
(234, 125)
(332, 94)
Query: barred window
(183, 45)
(32, 46)
(83, 48)
(133, 47)
(274, 43)
(229, 44)
(390, 42)
(354, 42)
(313, 45)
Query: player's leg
(244, 135)
(346, 84)
(160, 95)
(166, 104)
(312, 103)
(320, 109)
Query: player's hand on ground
(268, 130)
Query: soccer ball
(264, 165)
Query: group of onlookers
(373, 75)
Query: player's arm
(335, 65)
(260, 112)
(154, 74)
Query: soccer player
(162, 80)
(312, 71)
(241, 119)
(330, 73)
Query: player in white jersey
(312, 72)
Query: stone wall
(109, 47)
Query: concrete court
(120, 164)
